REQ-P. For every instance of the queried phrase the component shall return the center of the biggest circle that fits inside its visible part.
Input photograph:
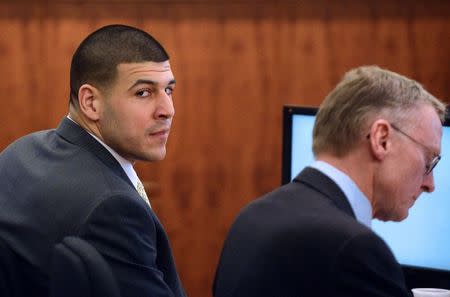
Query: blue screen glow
(422, 239)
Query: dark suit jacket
(302, 240)
(63, 182)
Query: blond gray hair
(364, 93)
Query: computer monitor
(421, 242)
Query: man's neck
(126, 165)
(356, 166)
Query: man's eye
(168, 90)
(143, 93)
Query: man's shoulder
(292, 196)
(58, 171)
(302, 210)
(25, 141)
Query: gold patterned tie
(141, 190)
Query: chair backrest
(78, 269)
(10, 277)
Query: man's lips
(160, 132)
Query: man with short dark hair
(376, 140)
(78, 179)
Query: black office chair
(10, 279)
(78, 269)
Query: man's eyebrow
(149, 82)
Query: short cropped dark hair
(97, 57)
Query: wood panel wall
(236, 64)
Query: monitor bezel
(415, 276)
(288, 112)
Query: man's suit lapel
(73, 133)
(321, 183)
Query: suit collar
(75, 134)
(323, 184)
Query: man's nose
(428, 183)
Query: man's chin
(154, 156)
(401, 216)
(391, 216)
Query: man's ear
(89, 100)
(380, 138)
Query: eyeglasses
(430, 166)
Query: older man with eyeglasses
(376, 140)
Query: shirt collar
(126, 165)
(358, 201)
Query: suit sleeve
(124, 232)
(365, 266)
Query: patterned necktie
(141, 190)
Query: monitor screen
(421, 242)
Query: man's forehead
(155, 71)
(150, 66)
